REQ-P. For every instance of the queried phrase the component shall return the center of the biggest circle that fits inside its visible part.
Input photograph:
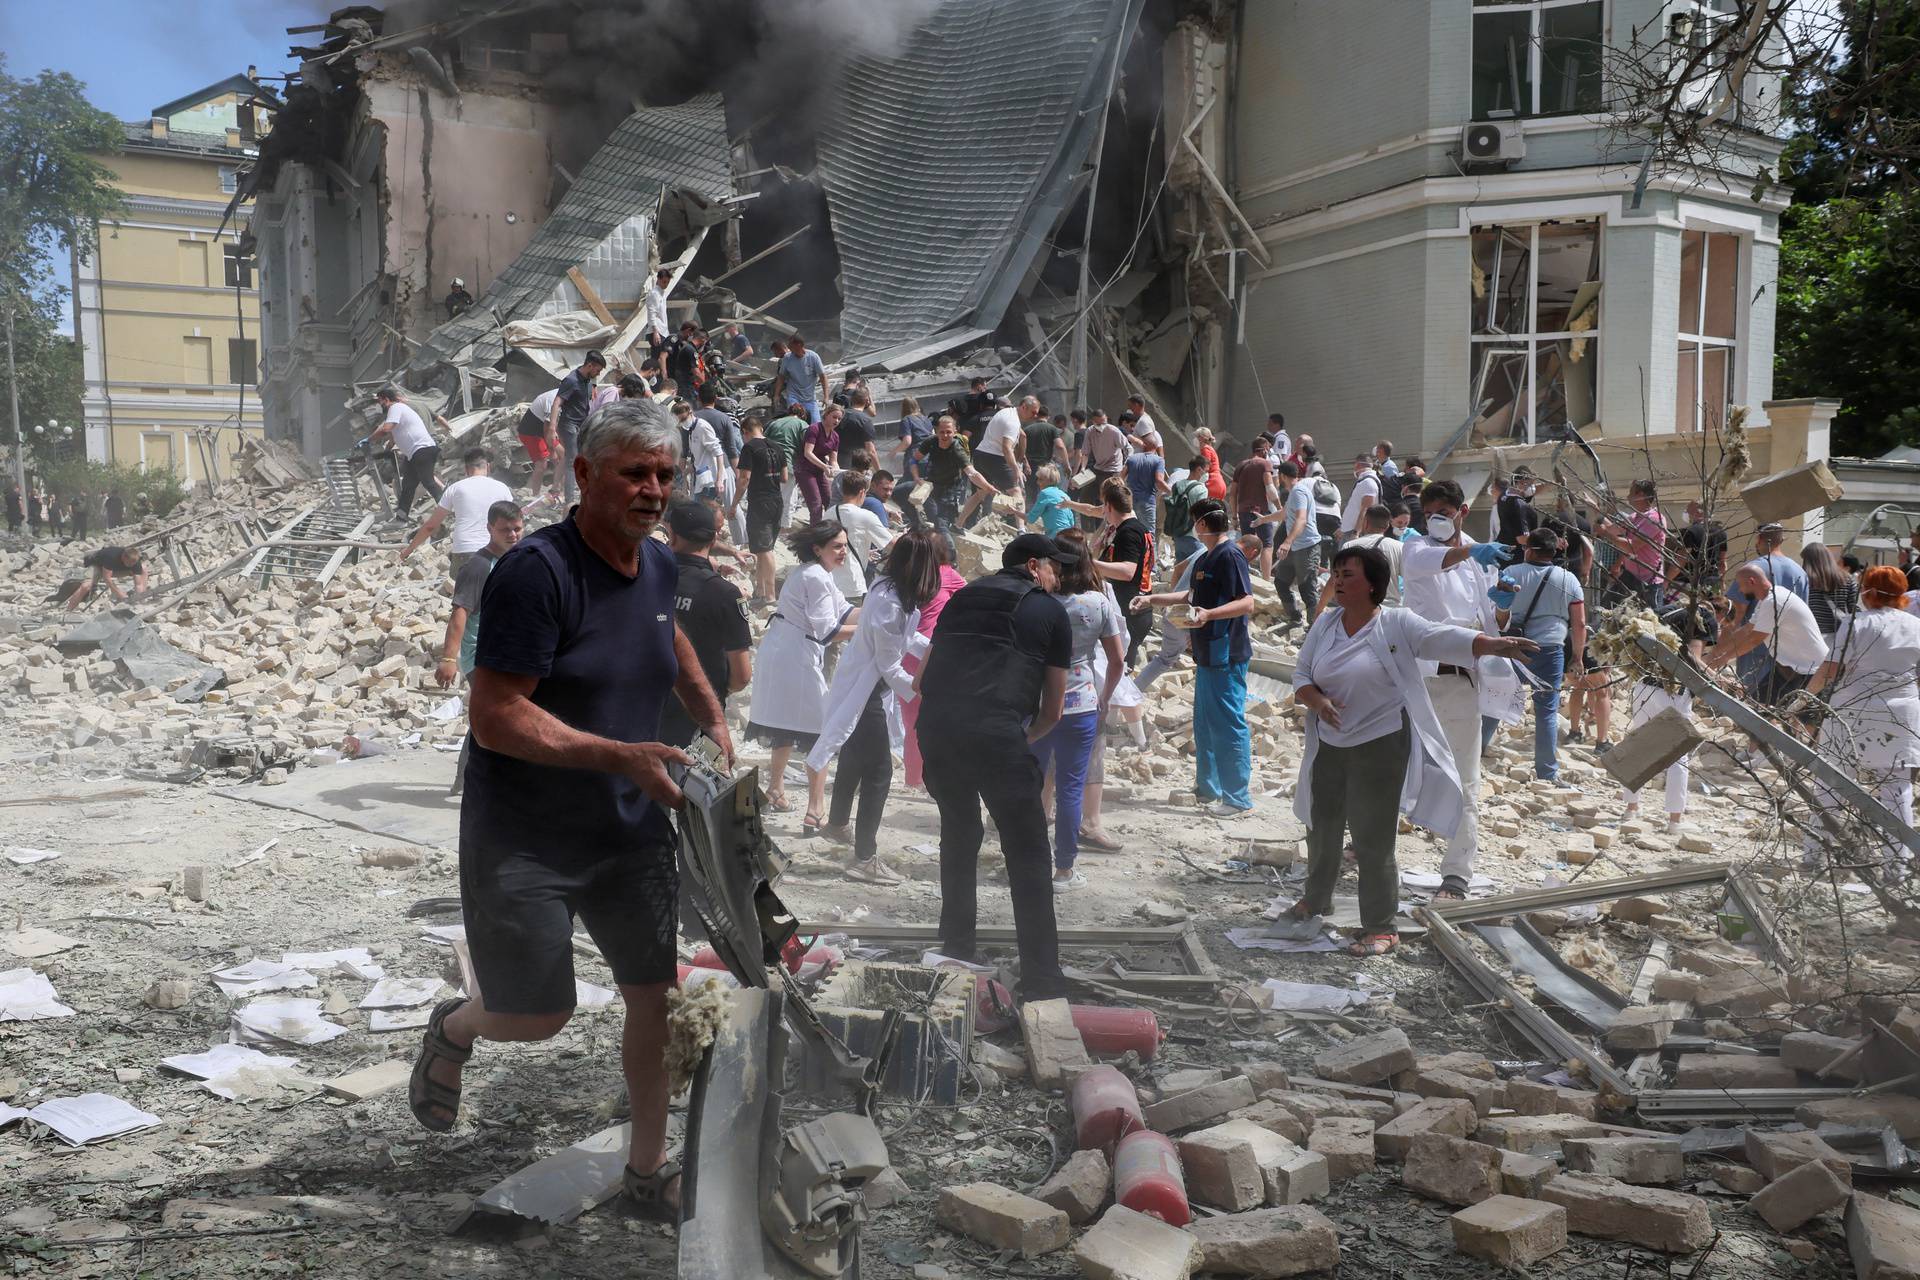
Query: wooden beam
(592, 299)
(765, 253)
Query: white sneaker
(1077, 880)
(1221, 809)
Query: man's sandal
(648, 1192)
(1452, 889)
(1374, 944)
(437, 1106)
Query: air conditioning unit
(1493, 142)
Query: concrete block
(1187, 1079)
(1809, 1051)
(1055, 1052)
(1636, 910)
(1451, 1170)
(1738, 995)
(1268, 1243)
(1523, 1175)
(1677, 984)
(1288, 1173)
(1461, 1063)
(1347, 1143)
(1733, 1071)
(1641, 1029)
(1883, 1239)
(1641, 1161)
(1275, 1119)
(1793, 492)
(1221, 1168)
(1003, 1219)
(1670, 1221)
(1647, 751)
(1263, 1075)
(1306, 1107)
(1454, 1117)
(1080, 1186)
(1738, 1179)
(1896, 1109)
(1774, 1154)
(1125, 1245)
(1367, 1059)
(1533, 1134)
(1197, 1107)
(368, 1081)
(1510, 1231)
(1794, 1199)
(193, 882)
(1483, 1095)
(1532, 1098)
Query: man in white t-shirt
(1364, 495)
(1784, 623)
(1002, 455)
(533, 437)
(1144, 428)
(419, 455)
(467, 501)
(866, 534)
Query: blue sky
(134, 55)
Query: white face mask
(1440, 528)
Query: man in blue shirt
(800, 381)
(568, 791)
(1545, 603)
(1221, 596)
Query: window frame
(1694, 343)
(237, 267)
(252, 354)
(1536, 11)
(1533, 340)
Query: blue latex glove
(1490, 555)
(1502, 599)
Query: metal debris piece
(563, 1186)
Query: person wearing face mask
(1445, 577)
(1515, 514)
(1543, 602)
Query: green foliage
(160, 491)
(1848, 321)
(48, 362)
(52, 188)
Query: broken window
(229, 178)
(239, 267)
(1534, 302)
(1708, 328)
(1537, 57)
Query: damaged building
(1450, 242)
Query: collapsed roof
(603, 225)
(949, 163)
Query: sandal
(427, 1098)
(810, 827)
(648, 1192)
(1099, 841)
(1299, 912)
(1374, 944)
(777, 802)
(1452, 889)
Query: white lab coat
(883, 638)
(1432, 796)
(790, 670)
(1875, 726)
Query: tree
(53, 193)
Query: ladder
(304, 563)
(343, 494)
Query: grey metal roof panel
(655, 149)
(949, 163)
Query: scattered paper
(22, 855)
(255, 856)
(1311, 996)
(222, 1058)
(8, 1115)
(1433, 880)
(925, 850)
(26, 996)
(935, 960)
(448, 710)
(256, 977)
(284, 1022)
(445, 934)
(401, 993)
(1854, 886)
(355, 961)
(588, 996)
(91, 1117)
(1262, 940)
(398, 1019)
(276, 1086)
(31, 944)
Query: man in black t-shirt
(1515, 516)
(994, 683)
(570, 409)
(856, 425)
(1705, 566)
(709, 612)
(104, 563)
(1127, 561)
(760, 480)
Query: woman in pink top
(950, 582)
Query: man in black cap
(709, 612)
(993, 684)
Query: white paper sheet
(9, 1115)
(26, 996)
(32, 944)
(1432, 880)
(588, 996)
(354, 961)
(256, 977)
(285, 1022)
(1308, 995)
(398, 1019)
(1261, 940)
(448, 710)
(445, 935)
(222, 1058)
(400, 993)
(91, 1117)
(22, 855)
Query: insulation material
(694, 1016)
(569, 329)
(1593, 957)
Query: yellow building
(166, 313)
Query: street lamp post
(13, 394)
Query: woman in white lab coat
(790, 670)
(1372, 732)
(862, 722)
(1869, 682)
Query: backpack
(1325, 492)
(1180, 505)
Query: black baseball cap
(691, 521)
(1035, 546)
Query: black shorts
(519, 912)
(994, 469)
(1263, 532)
(763, 522)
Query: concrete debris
(1510, 1231)
(1125, 1245)
(1079, 1187)
(1268, 1243)
(1055, 1051)
(1883, 1238)
(1796, 1198)
(1637, 1160)
(1003, 1219)
(1198, 1107)
(1367, 1059)
(1452, 1170)
(1671, 1221)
